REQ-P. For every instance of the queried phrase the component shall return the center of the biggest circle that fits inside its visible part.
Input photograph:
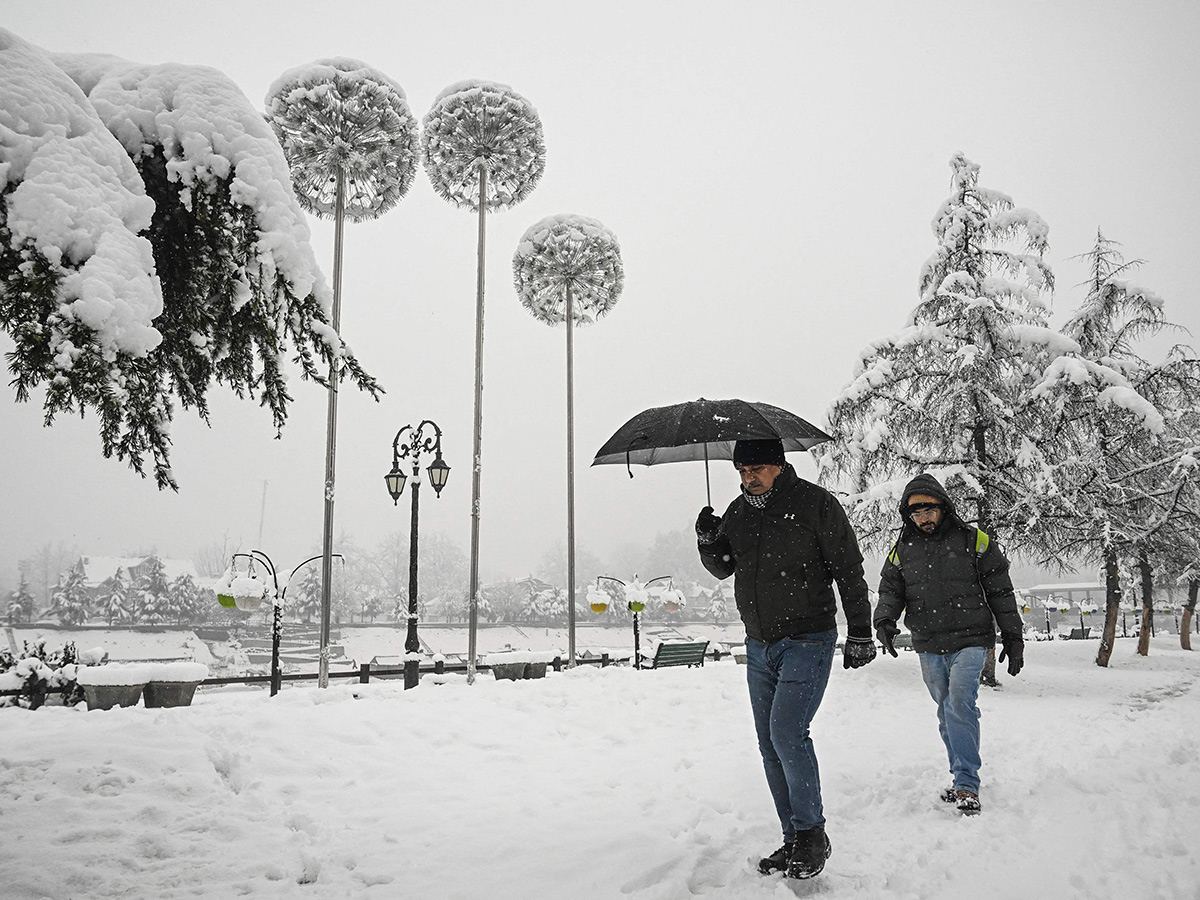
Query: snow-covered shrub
(34, 672)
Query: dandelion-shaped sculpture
(483, 151)
(351, 144)
(568, 269)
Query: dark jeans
(787, 680)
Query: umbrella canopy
(704, 429)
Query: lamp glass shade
(395, 480)
(439, 472)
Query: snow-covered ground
(607, 783)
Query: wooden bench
(1078, 634)
(679, 653)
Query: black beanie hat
(761, 452)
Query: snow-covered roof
(98, 568)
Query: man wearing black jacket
(786, 541)
(951, 580)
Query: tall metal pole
(477, 449)
(412, 644)
(262, 513)
(570, 483)
(331, 441)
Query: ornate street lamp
(414, 445)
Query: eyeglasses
(916, 509)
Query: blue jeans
(787, 680)
(953, 682)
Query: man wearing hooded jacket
(786, 541)
(951, 581)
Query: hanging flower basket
(673, 600)
(597, 600)
(248, 592)
(636, 599)
(224, 590)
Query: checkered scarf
(759, 501)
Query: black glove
(707, 526)
(886, 632)
(1014, 650)
(857, 652)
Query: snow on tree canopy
(73, 209)
(476, 125)
(568, 252)
(948, 392)
(342, 115)
(131, 276)
(211, 137)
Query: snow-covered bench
(678, 653)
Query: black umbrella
(703, 429)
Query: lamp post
(414, 445)
(277, 597)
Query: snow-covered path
(606, 784)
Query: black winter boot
(777, 861)
(809, 853)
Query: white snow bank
(617, 783)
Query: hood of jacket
(930, 486)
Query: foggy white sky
(770, 173)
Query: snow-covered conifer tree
(113, 597)
(151, 591)
(187, 600)
(304, 600)
(70, 602)
(21, 605)
(717, 607)
(945, 394)
(1119, 439)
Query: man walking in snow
(786, 541)
(951, 580)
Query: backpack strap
(982, 541)
(977, 546)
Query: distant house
(98, 569)
(1064, 596)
